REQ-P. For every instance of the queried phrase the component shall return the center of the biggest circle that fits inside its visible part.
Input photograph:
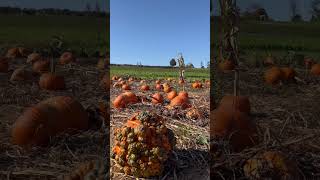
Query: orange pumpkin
(33, 57)
(66, 58)
(41, 66)
(124, 99)
(172, 95)
(157, 98)
(126, 87)
(13, 53)
(240, 103)
(180, 101)
(196, 85)
(288, 73)
(159, 87)
(48, 118)
(315, 70)
(4, 65)
(51, 81)
(273, 75)
(132, 98)
(183, 94)
(226, 65)
(234, 126)
(145, 88)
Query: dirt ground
(65, 151)
(190, 158)
(287, 118)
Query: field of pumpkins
(159, 128)
(50, 123)
(270, 128)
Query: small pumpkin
(194, 114)
(159, 87)
(315, 69)
(172, 94)
(167, 89)
(12, 53)
(126, 87)
(4, 65)
(41, 66)
(196, 85)
(37, 124)
(33, 57)
(66, 58)
(51, 81)
(157, 98)
(226, 65)
(145, 88)
(183, 94)
(273, 75)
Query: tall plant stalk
(229, 42)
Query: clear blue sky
(277, 9)
(154, 31)
(78, 5)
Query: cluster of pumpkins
(180, 99)
(40, 66)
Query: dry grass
(287, 118)
(65, 151)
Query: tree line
(52, 11)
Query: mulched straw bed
(287, 118)
(190, 158)
(65, 152)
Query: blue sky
(59, 4)
(154, 31)
(277, 9)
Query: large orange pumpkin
(234, 126)
(273, 75)
(240, 103)
(51, 81)
(172, 95)
(48, 118)
(180, 101)
(124, 99)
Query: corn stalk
(229, 42)
(180, 60)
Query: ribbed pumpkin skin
(47, 119)
(51, 81)
(315, 70)
(273, 76)
(240, 103)
(41, 66)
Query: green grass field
(79, 33)
(157, 73)
(274, 37)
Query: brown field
(65, 152)
(189, 159)
(287, 118)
